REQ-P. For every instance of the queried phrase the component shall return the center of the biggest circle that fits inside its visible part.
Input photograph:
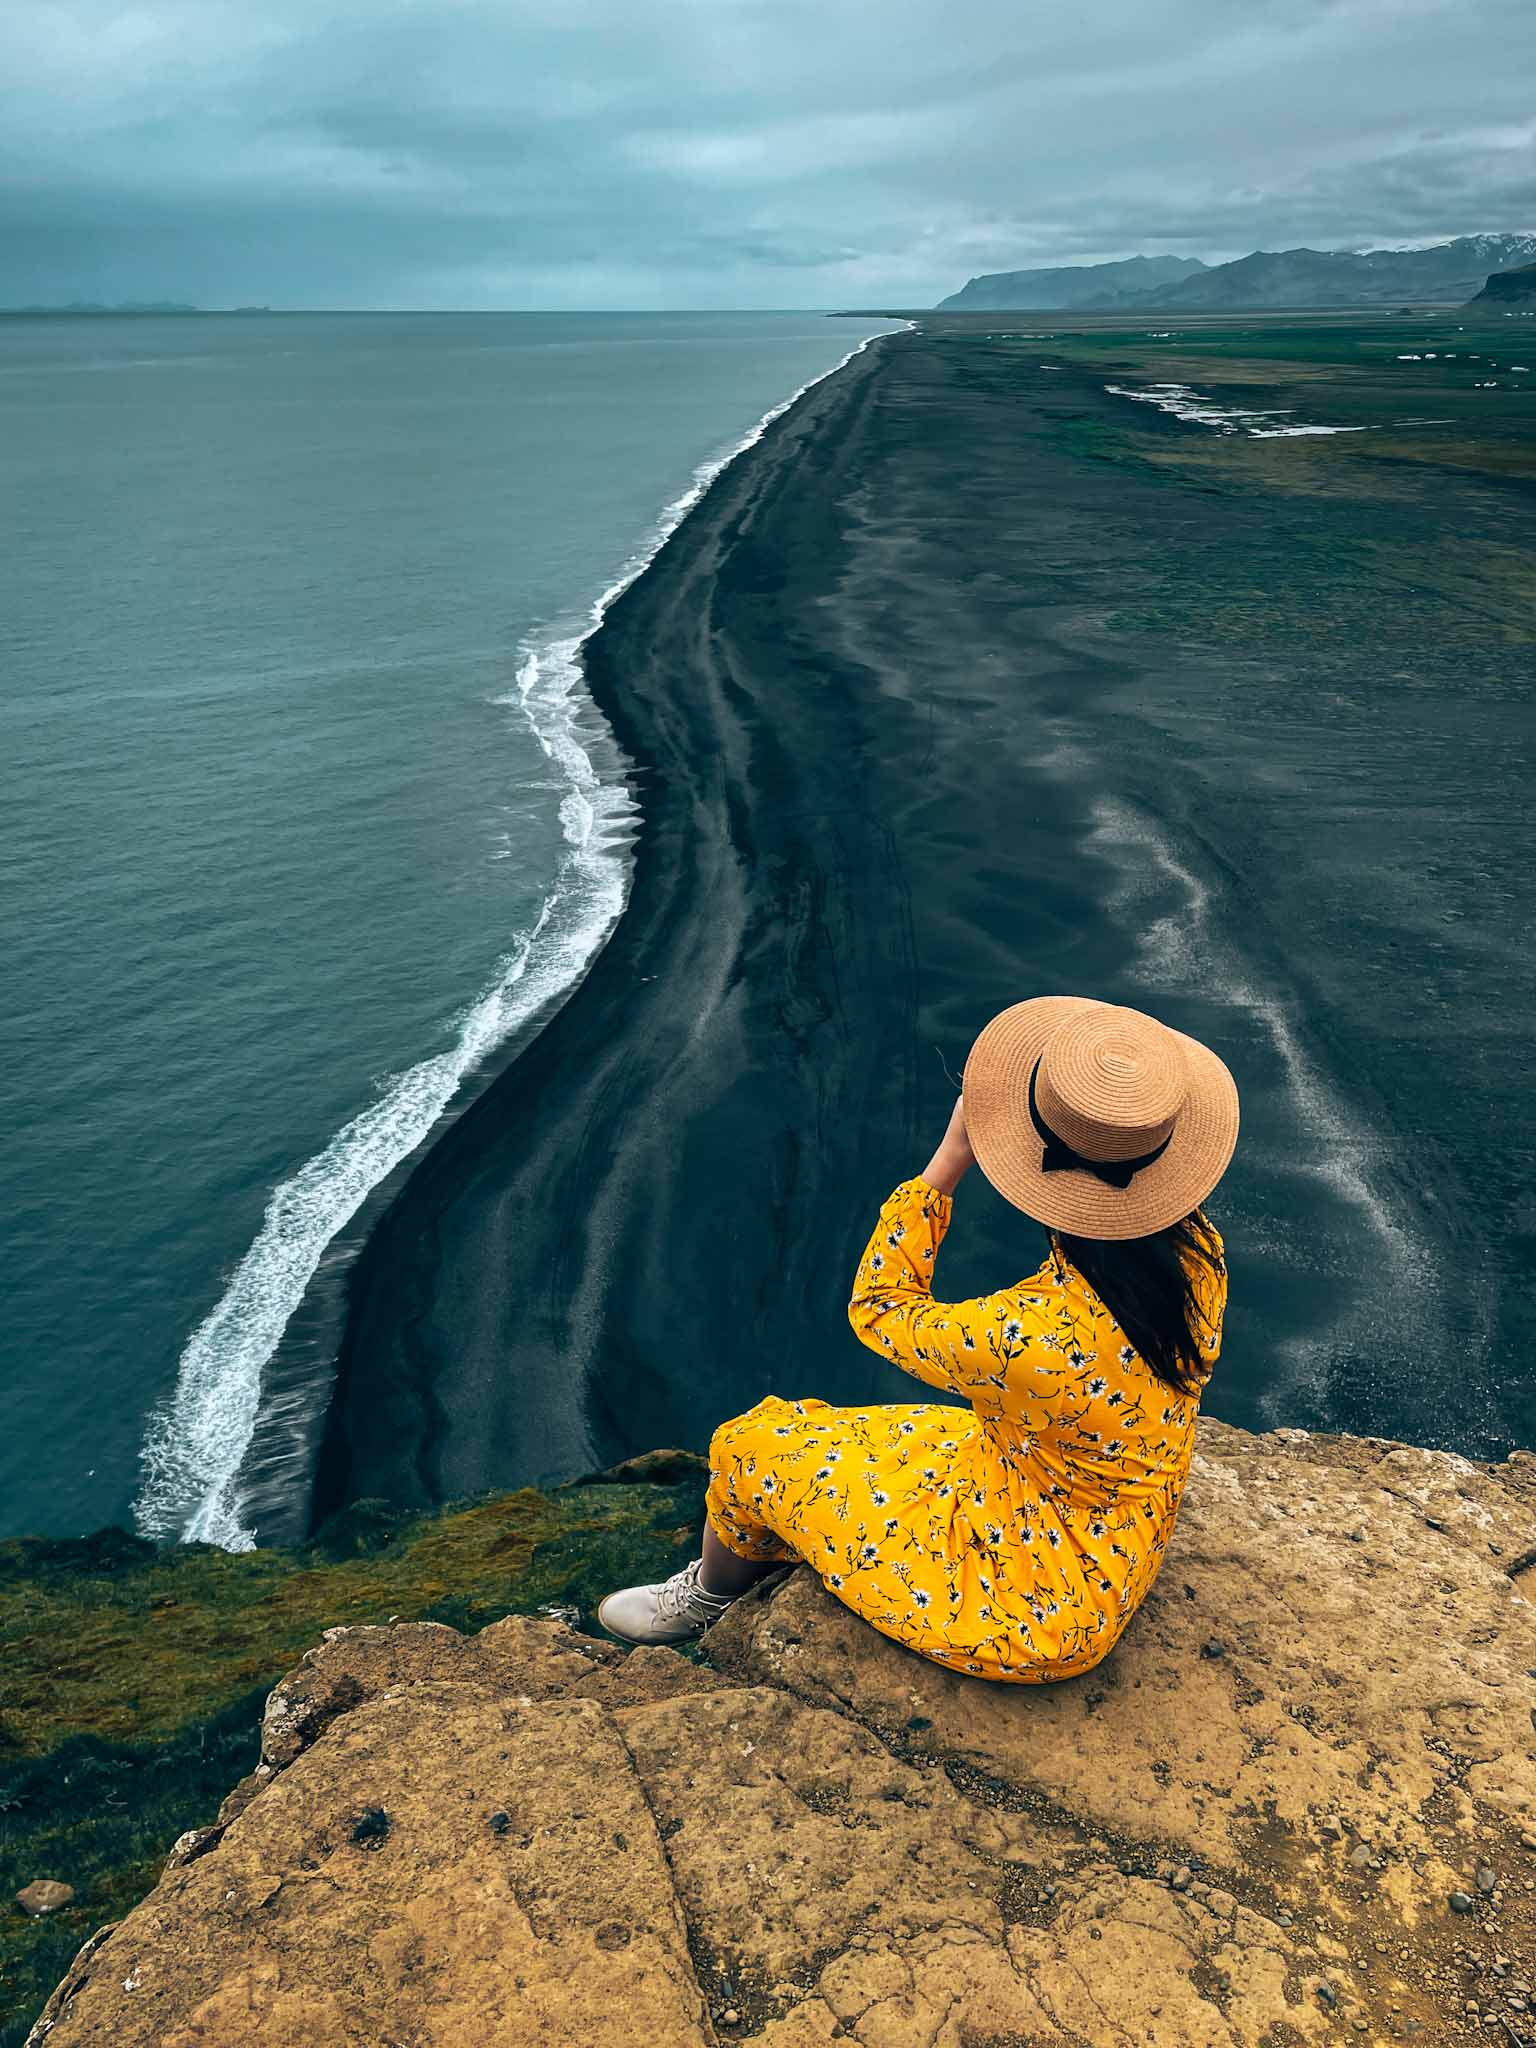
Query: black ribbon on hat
(1115, 1173)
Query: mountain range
(1448, 273)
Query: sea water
(305, 810)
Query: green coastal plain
(1438, 412)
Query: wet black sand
(973, 682)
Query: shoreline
(238, 1431)
(329, 1487)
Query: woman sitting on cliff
(1014, 1540)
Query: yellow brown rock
(439, 1866)
(1243, 1831)
(1372, 1681)
(44, 1895)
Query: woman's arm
(948, 1166)
(893, 1310)
(983, 1350)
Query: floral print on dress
(1013, 1541)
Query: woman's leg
(687, 1603)
(739, 1546)
(725, 1573)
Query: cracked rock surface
(1242, 1831)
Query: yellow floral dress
(1014, 1541)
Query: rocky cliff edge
(1297, 1805)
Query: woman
(1017, 1540)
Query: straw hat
(1096, 1120)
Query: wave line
(196, 1442)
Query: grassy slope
(134, 1677)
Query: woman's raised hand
(949, 1164)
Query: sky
(732, 153)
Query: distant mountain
(1081, 284)
(1449, 273)
(1508, 287)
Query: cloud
(731, 152)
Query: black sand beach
(974, 681)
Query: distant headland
(92, 309)
(1509, 287)
(90, 306)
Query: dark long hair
(1148, 1286)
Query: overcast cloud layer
(674, 153)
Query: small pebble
(1326, 1995)
(1213, 1648)
(1461, 1902)
(1360, 1856)
(1182, 1878)
(731, 2017)
(1487, 1879)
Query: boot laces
(682, 1597)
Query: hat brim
(995, 1092)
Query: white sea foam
(1185, 403)
(197, 1440)
(1285, 433)
(1181, 950)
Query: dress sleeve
(1210, 1283)
(978, 1349)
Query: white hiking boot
(673, 1612)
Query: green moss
(135, 1677)
(102, 1815)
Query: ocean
(307, 814)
